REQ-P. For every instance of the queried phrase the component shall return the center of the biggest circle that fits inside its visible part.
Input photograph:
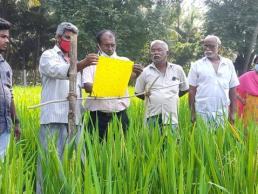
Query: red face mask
(65, 45)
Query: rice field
(192, 160)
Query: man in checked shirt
(7, 108)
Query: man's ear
(169, 53)
(219, 47)
(58, 38)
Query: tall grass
(193, 160)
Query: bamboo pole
(101, 98)
(72, 96)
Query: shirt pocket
(223, 81)
(172, 84)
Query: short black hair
(100, 33)
(4, 24)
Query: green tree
(31, 32)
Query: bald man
(213, 82)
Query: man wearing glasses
(213, 82)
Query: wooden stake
(72, 96)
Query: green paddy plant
(193, 159)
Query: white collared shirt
(212, 94)
(55, 86)
(114, 105)
(164, 97)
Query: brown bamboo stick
(72, 96)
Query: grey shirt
(5, 95)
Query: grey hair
(66, 26)
(213, 36)
(160, 42)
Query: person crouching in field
(54, 66)
(7, 109)
(166, 82)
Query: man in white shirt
(213, 82)
(53, 67)
(103, 111)
(166, 82)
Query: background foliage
(136, 23)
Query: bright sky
(196, 3)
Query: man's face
(108, 43)
(211, 48)
(4, 40)
(158, 53)
(66, 36)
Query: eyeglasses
(210, 46)
(108, 45)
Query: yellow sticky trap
(111, 77)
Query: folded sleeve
(140, 83)
(88, 74)
(192, 75)
(234, 79)
(184, 82)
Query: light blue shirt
(53, 69)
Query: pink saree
(248, 91)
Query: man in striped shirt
(54, 66)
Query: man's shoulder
(226, 60)
(5, 65)
(51, 51)
(148, 68)
(199, 61)
(176, 66)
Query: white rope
(100, 98)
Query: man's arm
(90, 59)
(140, 87)
(137, 70)
(88, 87)
(232, 106)
(191, 100)
(182, 93)
(15, 120)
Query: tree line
(136, 23)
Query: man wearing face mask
(213, 82)
(247, 95)
(103, 111)
(53, 67)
